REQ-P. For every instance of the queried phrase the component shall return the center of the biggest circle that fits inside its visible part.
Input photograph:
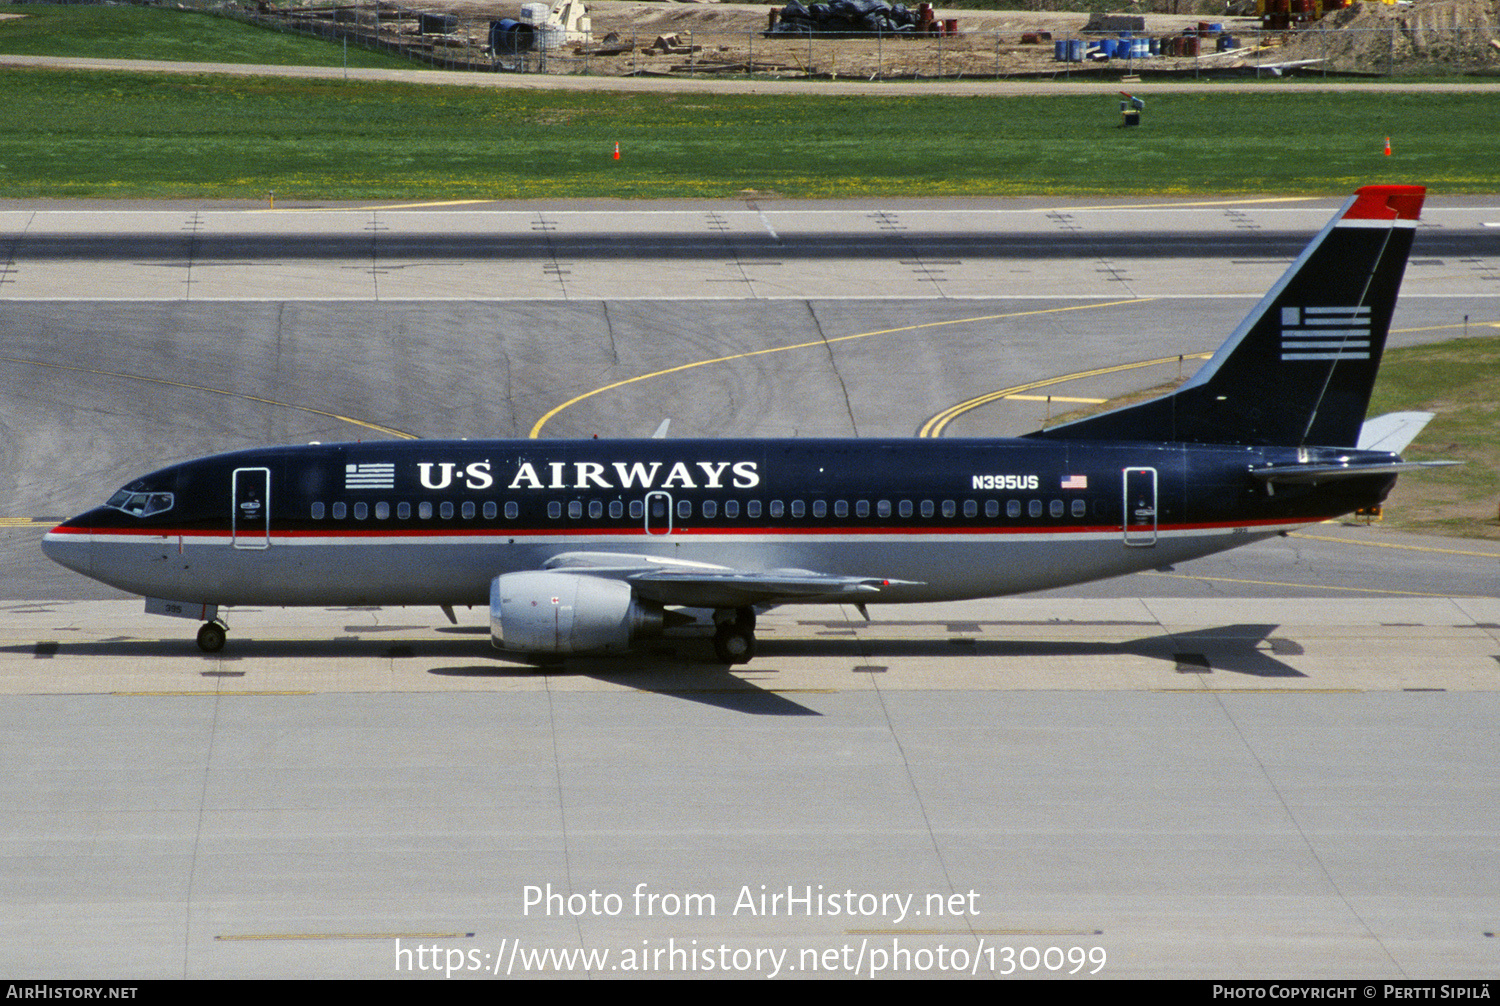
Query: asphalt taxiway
(1274, 763)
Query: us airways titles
(594, 475)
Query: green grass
(71, 134)
(1460, 381)
(128, 32)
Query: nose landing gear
(211, 636)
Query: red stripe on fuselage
(637, 530)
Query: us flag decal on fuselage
(373, 475)
(1325, 333)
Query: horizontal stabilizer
(1392, 431)
(1295, 474)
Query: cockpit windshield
(140, 504)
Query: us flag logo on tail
(1325, 333)
(372, 475)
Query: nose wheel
(211, 637)
(734, 638)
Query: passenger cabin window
(469, 510)
(361, 511)
(489, 510)
(1013, 508)
(1080, 508)
(731, 508)
(512, 509)
(684, 509)
(554, 509)
(905, 508)
(424, 511)
(317, 511)
(799, 509)
(1034, 508)
(382, 511)
(752, 508)
(710, 508)
(862, 508)
(1055, 508)
(403, 511)
(776, 508)
(445, 511)
(616, 509)
(338, 511)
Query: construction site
(617, 38)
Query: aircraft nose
(70, 546)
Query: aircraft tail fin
(1298, 370)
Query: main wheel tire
(734, 644)
(211, 637)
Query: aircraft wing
(702, 585)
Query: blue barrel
(1076, 50)
(509, 36)
(1155, 46)
(1060, 50)
(1226, 42)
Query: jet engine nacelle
(541, 612)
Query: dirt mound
(1424, 36)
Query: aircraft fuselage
(434, 522)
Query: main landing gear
(211, 636)
(734, 636)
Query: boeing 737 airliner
(589, 546)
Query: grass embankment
(1460, 381)
(115, 134)
(128, 32)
